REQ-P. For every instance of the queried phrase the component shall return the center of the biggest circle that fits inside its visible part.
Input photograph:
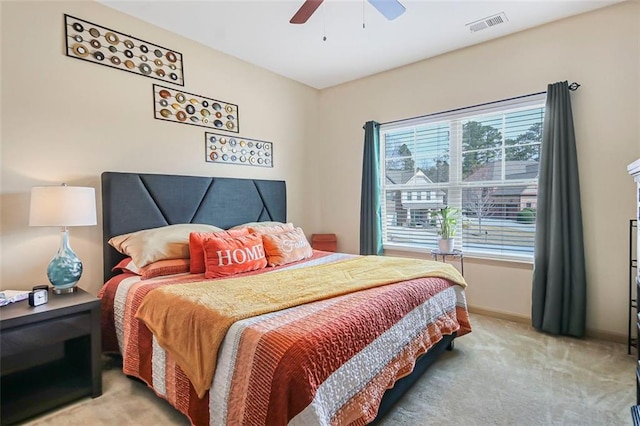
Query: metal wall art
(237, 150)
(182, 107)
(94, 43)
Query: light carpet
(503, 373)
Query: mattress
(327, 362)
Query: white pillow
(166, 242)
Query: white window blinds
(483, 161)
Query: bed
(345, 358)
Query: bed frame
(135, 201)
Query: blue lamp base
(65, 269)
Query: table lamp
(63, 206)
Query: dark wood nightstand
(50, 354)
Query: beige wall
(69, 120)
(600, 50)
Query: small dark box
(324, 242)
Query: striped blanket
(326, 362)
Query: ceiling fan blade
(305, 11)
(391, 9)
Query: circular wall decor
(206, 112)
(112, 38)
(222, 149)
(98, 43)
(80, 50)
(171, 57)
(145, 69)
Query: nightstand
(324, 242)
(50, 354)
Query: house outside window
(482, 160)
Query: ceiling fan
(391, 9)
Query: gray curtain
(559, 278)
(370, 212)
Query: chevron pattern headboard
(135, 201)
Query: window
(482, 160)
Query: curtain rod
(573, 86)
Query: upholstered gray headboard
(135, 201)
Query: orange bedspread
(191, 320)
(327, 362)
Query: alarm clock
(39, 295)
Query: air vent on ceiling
(490, 21)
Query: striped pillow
(154, 269)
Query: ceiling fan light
(391, 9)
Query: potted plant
(447, 219)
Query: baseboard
(500, 315)
(595, 334)
(607, 335)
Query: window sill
(404, 250)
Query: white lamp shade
(62, 206)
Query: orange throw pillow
(286, 247)
(226, 256)
(196, 251)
